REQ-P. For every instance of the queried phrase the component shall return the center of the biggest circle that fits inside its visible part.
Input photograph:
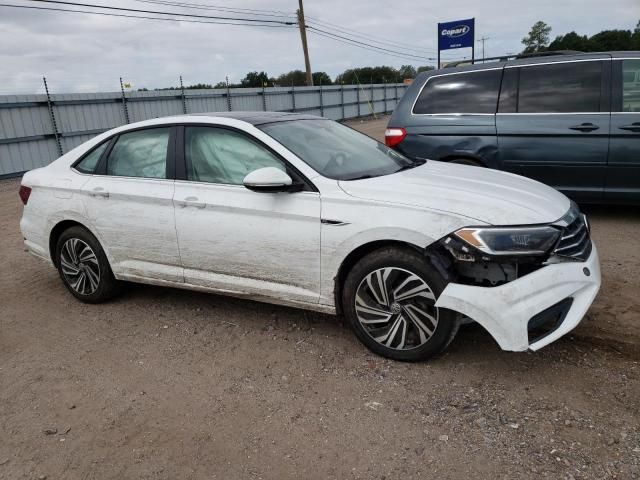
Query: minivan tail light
(24, 193)
(393, 136)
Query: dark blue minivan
(570, 121)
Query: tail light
(24, 193)
(393, 136)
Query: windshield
(336, 151)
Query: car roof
(259, 118)
(560, 57)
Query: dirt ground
(169, 384)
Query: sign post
(457, 34)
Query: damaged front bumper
(559, 293)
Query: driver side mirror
(268, 179)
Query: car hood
(489, 196)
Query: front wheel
(389, 300)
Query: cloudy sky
(79, 52)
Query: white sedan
(302, 211)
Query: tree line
(538, 40)
(297, 78)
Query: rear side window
(473, 92)
(89, 163)
(631, 86)
(142, 153)
(559, 88)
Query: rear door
(453, 117)
(129, 201)
(623, 172)
(553, 124)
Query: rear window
(472, 92)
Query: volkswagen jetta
(299, 210)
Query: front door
(129, 201)
(553, 125)
(238, 240)
(623, 172)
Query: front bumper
(505, 311)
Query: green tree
(296, 78)
(254, 80)
(570, 41)
(321, 78)
(537, 39)
(636, 37)
(407, 71)
(425, 68)
(366, 75)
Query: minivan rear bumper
(562, 292)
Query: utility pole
(303, 36)
(483, 39)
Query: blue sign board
(457, 34)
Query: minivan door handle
(634, 127)
(585, 127)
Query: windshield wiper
(414, 163)
(361, 177)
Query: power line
(141, 17)
(90, 12)
(203, 6)
(353, 33)
(357, 42)
(155, 12)
(363, 46)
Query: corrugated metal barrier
(37, 129)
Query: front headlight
(511, 241)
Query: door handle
(191, 202)
(99, 192)
(634, 127)
(585, 127)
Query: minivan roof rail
(504, 58)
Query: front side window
(631, 86)
(89, 163)
(142, 153)
(471, 92)
(336, 151)
(572, 87)
(218, 155)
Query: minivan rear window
(469, 92)
(572, 87)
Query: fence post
(342, 98)
(293, 97)
(228, 96)
(52, 115)
(124, 102)
(373, 105)
(184, 100)
(358, 97)
(396, 98)
(264, 98)
(321, 102)
(385, 96)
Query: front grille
(575, 241)
(549, 320)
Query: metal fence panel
(28, 137)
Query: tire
(412, 287)
(466, 161)
(83, 266)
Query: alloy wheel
(396, 308)
(79, 266)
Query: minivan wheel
(389, 300)
(466, 161)
(83, 266)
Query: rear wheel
(83, 266)
(389, 300)
(466, 161)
